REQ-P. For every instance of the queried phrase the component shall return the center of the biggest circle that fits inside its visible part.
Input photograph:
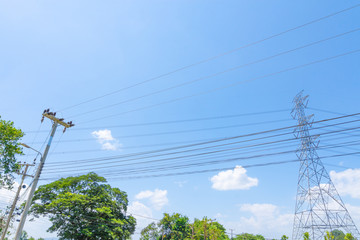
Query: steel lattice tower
(319, 207)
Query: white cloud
(233, 180)
(142, 213)
(139, 209)
(347, 182)
(265, 219)
(107, 141)
(354, 212)
(158, 198)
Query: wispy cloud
(107, 141)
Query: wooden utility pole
(15, 200)
(56, 122)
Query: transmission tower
(319, 207)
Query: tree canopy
(248, 236)
(84, 207)
(177, 226)
(9, 148)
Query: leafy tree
(338, 234)
(24, 236)
(329, 236)
(2, 221)
(175, 226)
(349, 236)
(306, 236)
(248, 236)
(151, 232)
(208, 229)
(284, 237)
(9, 148)
(84, 207)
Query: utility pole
(56, 122)
(231, 230)
(15, 200)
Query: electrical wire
(217, 73)
(227, 86)
(182, 131)
(218, 140)
(193, 157)
(112, 176)
(179, 121)
(216, 56)
(190, 163)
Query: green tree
(151, 232)
(329, 236)
(2, 221)
(175, 226)
(9, 148)
(248, 236)
(306, 236)
(284, 237)
(338, 234)
(24, 236)
(208, 229)
(349, 236)
(84, 207)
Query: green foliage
(84, 207)
(151, 232)
(338, 234)
(284, 237)
(9, 148)
(2, 221)
(349, 236)
(177, 227)
(208, 229)
(306, 236)
(329, 236)
(248, 236)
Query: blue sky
(59, 54)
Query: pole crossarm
(57, 120)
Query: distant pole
(14, 202)
(56, 122)
(231, 230)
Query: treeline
(179, 227)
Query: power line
(217, 73)
(182, 131)
(167, 166)
(86, 161)
(221, 140)
(216, 56)
(227, 86)
(202, 154)
(184, 120)
(112, 176)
